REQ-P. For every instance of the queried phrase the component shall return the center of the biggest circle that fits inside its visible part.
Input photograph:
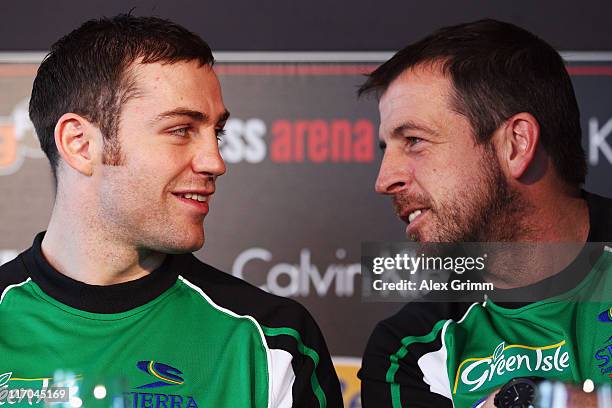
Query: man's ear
(76, 140)
(520, 136)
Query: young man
(482, 142)
(129, 112)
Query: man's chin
(183, 244)
(194, 244)
(425, 237)
(413, 237)
(181, 249)
(419, 234)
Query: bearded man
(482, 143)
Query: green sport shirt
(184, 336)
(457, 354)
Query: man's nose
(207, 158)
(393, 175)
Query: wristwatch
(519, 392)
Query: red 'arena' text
(320, 141)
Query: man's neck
(561, 219)
(92, 255)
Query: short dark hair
(86, 72)
(497, 70)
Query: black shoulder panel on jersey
(240, 296)
(12, 272)
(386, 346)
(600, 214)
(275, 313)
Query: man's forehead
(417, 94)
(417, 84)
(184, 83)
(156, 75)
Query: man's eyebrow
(193, 114)
(410, 125)
(407, 125)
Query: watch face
(518, 393)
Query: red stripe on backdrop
(589, 70)
(298, 69)
(306, 69)
(18, 70)
(294, 69)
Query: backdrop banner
(298, 197)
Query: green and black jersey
(184, 336)
(457, 354)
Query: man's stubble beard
(144, 227)
(489, 210)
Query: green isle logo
(508, 361)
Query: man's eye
(412, 140)
(181, 132)
(219, 133)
